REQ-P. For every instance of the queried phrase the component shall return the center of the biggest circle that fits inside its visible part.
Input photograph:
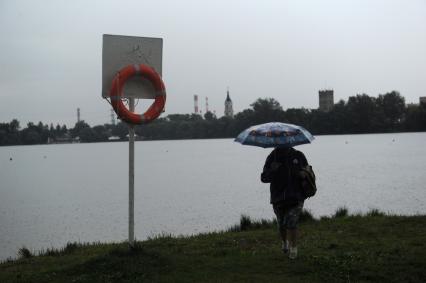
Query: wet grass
(343, 248)
(341, 212)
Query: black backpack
(307, 178)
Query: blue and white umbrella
(274, 134)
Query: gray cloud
(51, 52)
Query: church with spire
(229, 111)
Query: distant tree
(179, 117)
(265, 104)
(195, 117)
(30, 135)
(101, 133)
(79, 126)
(52, 131)
(362, 112)
(9, 133)
(422, 117)
(297, 116)
(321, 123)
(35, 134)
(242, 120)
(338, 120)
(412, 120)
(120, 130)
(87, 134)
(209, 116)
(64, 130)
(393, 107)
(267, 110)
(14, 126)
(43, 131)
(58, 129)
(419, 117)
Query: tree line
(359, 114)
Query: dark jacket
(285, 183)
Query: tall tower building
(112, 117)
(195, 104)
(229, 112)
(326, 100)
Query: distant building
(412, 105)
(229, 111)
(422, 99)
(114, 138)
(326, 100)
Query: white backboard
(119, 51)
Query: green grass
(361, 248)
(341, 212)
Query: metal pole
(131, 178)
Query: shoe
(293, 253)
(284, 247)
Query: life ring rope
(116, 94)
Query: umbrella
(275, 134)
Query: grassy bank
(361, 248)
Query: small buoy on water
(10, 159)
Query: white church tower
(229, 112)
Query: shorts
(287, 214)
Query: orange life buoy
(116, 94)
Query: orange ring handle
(116, 94)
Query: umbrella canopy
(274, 134)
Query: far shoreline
(188, 139)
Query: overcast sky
(51, 52)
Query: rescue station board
(119, 51)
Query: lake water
(53, 194)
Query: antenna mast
(112, 117)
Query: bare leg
(292, 237)
(284, 244)
(283, 234)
